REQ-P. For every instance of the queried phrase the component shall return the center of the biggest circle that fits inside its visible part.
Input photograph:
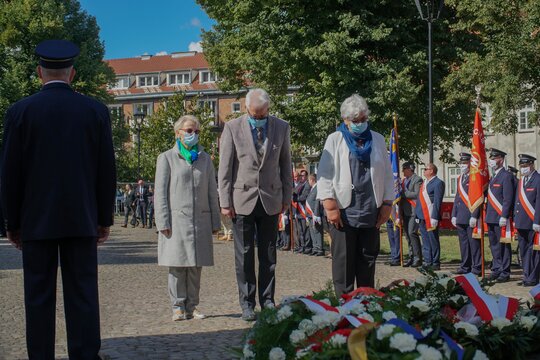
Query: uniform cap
(526, 159)
(513, 170)
(496, 153)
(56, 54)
(464, 156)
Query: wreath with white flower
(436, 316)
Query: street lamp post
(139, 120)
(432, 13)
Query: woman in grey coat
(187, 213)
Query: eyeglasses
(189, 131)
(426, 169)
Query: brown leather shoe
(125, 225)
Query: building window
(179, 79)
(453, 175)
(121, 83)
(206, 77)
(208, 105)
(236, 107)
(147, 80)
(116, 111)
(146, 108)
(523, 118)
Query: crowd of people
(255, 194)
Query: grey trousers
(184, 286)
(410, 228)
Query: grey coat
(186, 202)
(242, 179)
(410, 192)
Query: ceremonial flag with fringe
(479, 174)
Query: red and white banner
(427, 205)
(487, 306)
(356, 321)
(527, 206)
(494, 202)
(316, 306)
(535, 292)
(462, 193)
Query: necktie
(525, 180)
(260, 142)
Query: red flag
(479, 174)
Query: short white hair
(62, 73)
(353, 107)
(257, 99)
(179, 124)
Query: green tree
(24, 24)
(157, 133)
(507, 63)
(331, 49)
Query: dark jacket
(316, 205)
(460, 210)
(58, 177)
(503, 188)
(435, 189)
(532, 192)
(410, 192)
(144, 195)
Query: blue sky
(133, 27)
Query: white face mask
(492, 163)
(525, 170)
(464, 168)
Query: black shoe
(503, 279)
(529, 283)
(436, 267)
(493, 277)
(318, 254)
(125, 225)
(248, 315)
(408, 263)
(394, 263)
(477, 273)
(307, 252)
(460, 272)
(416, 264)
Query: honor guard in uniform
(515, 179)
(428, 214)
(464, 221)
(527, 219)
(409, 196)
(499, 208)
(58, 190)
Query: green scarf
(190, 155)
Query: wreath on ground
(436, 316)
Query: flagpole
(394, 117)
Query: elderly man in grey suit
(255, 185)
(410, 190)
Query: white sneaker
(179, 315)
(195, 314)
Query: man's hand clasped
(228, 212)
(14, 238)
(103, 234)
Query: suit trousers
(285, 237)
(316, 232)
(266, 229)
(354, 254)
(471, 258)
(78, 263)
(410, 227)
(127, 210)
(142, 211)
(184, 287)
(431, 249)
(529, 257)
(393, 240)
(303, 241)
(501, 252)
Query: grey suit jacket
(411, 192)
(242, 179)
(315, 204)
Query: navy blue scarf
(361, 153)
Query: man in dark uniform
(527, 219)
(499, 208)
(58, 149)
(316, 212)
(409, 195)
(300, 194)
(515, 180)
(428, 214)
(141, 194)
(462, 219)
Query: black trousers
(78, 262)
(354, 254)
(142, 211)
(244, 229)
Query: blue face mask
(358, 128)
(257, 122)
(191, 139)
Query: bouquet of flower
(434, 317)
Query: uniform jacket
(242, 179)
(315, 204)
(411, 192)
(186, 202)
(334, 172)
(58, 176)
(435, 189)
(532, 192)
(503, 188)
(460, 210)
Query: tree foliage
(24, 24)
(157, 135)
(507, 64)
(331, 49)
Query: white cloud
(195, 46)
(195, 22)
(161, 53)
